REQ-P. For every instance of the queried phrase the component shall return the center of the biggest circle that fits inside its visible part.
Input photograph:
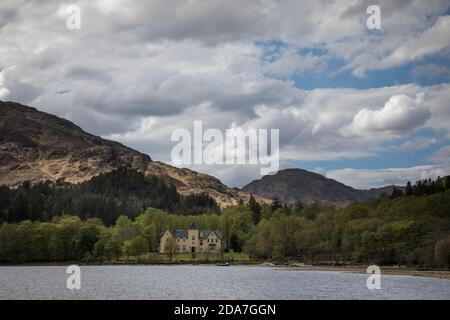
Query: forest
(405, 230)
(105, 196)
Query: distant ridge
(293, 185)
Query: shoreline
(385, 270)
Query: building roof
(180, 233)
(218, 234)
(203, 234)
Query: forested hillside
(106, 196)
(408, 230)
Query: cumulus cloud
(401, 113)
(314, 130)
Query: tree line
(406, 230)
(69, 238)
(423, 187)
(106, 197)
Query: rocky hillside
(292, 185)
(37, 146)
(188, 182)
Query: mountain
(376, 192)
(292, 185)
(37, 146)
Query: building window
(193, 237)
(201, 242)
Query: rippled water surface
(210, 282)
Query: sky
(365, 107)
